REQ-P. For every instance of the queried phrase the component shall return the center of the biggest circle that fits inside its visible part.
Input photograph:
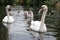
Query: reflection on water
(7, 24)
(52, 22)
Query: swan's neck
(43, 16)
(7, 12)
(7, 15)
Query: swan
(25, 13)
(8, 18)
(40, 26)
(29, 14)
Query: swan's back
(36, 26)
(9, 20)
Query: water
(18, 30)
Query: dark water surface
(52, 22)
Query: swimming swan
(29, 14)
(40, 26)
(8, 18)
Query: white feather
(8, 19)
(36, 26)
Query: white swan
(29, 14)
(8, 18)
(40, 26)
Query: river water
(18, 30)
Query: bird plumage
(40, 26)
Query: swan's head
(44, 8)
(8, 6)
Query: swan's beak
(41, 9)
